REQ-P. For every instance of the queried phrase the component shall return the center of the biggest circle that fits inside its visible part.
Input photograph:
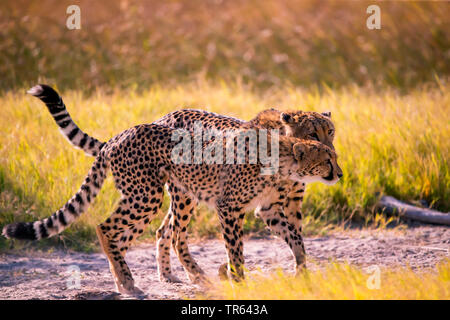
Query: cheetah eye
(314, 136)
(330, 132)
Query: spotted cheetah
(140, 159)
(307, 125)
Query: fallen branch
(423, 247)
(391, 205)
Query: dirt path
(40, 275)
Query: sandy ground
(44, 275)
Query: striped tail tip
(36, 90)
(46, 93)
(49, 96)
(20, 230)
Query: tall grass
(339, 281)
(138, 43)
(387, 143)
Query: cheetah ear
(327, 114)
(286, 118)
(299, 151)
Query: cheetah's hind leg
(182, 208)
(123, 279)
(120, 230)
(164, 236)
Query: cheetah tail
(62, 218)
(67, 126)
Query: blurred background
(131, 43)
(135, 61)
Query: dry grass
(132, 43)
(340, 281)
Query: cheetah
(306, 125)
(141, 162)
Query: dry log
(391, 205)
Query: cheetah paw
(223, 272)
(170, 278)
(129, 290)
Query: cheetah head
(309, 125)
(316, 162)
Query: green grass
(339, 281)
(388, 143)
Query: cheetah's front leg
(274, 217)
(232, 228)
(293, 205)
